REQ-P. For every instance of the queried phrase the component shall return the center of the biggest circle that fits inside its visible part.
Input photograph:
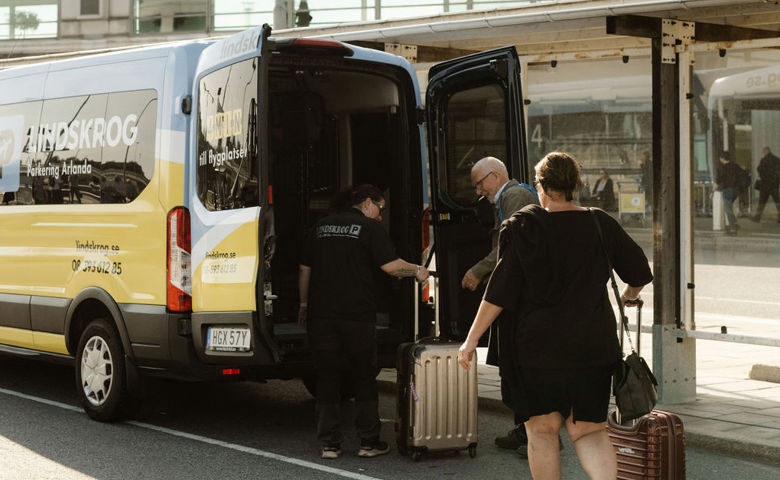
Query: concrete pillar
(674, 365)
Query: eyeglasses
(379, 206)
(478, 185)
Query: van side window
(16, 151)
(86, 149)
(227, 132)
(476, 128)
(132, 157)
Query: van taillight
(425, 224)
(179, 263)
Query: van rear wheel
(101, 382)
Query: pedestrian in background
(768, 183)
(552, 270)
(604, 191)
(727, 180)
(339, 310)
(490, 178)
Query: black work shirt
(552, 272)
(344, 252)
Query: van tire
(101, 381)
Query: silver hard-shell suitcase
(437, 399)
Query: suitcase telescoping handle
(638, 302)
(435, 281)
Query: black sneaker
(331, 451)
(514, 439)
(373, 448)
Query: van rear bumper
(259, 353)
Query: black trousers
(335, 340)
(763, 196)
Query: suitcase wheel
(473, 450)
(416, 455)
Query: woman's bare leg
(594, 449)
(543, 455)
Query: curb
(765, 373)
(738, 448)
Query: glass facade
(170, 16)
(25, 19)
(736, 110)
(600, 111)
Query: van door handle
(270, 296)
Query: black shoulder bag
(633, 383)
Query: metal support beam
(666, 187)
(674, 362)
(650, 27)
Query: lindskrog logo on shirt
(351, 231)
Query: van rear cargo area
(335, 123)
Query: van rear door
(230, 205)
(474, 110)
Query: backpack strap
(524, 185)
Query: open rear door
(474, 110)
(231, 204)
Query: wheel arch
(91, 303)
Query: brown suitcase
(650, 447)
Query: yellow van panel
(225, 280)
(50, 342)
(59, 250)
(17, 337)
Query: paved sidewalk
(731, 413)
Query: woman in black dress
(552, 274)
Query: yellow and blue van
(154, 201)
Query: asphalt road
(238, 430)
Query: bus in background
(744, 114)
(155, 200)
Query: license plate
(227, 339)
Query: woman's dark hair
(560, 172)
(351, 196)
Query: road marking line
(253, 451)
(41, 400)
(210, 441)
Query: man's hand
(469, 281)
(422, 274)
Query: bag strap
(500, 197)
(623, 318)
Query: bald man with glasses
(490, 179)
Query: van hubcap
(97, 371)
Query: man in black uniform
(340, 263)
